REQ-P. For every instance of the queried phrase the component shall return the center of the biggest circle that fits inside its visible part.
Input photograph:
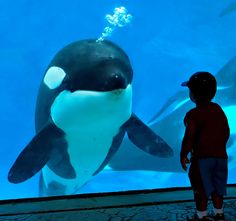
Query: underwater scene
(91, 96)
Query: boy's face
(192, 97)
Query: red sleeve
(189, 135)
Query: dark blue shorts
(214, 173)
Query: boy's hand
(184, 161)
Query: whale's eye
(54, 77)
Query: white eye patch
(54, 77)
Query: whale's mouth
(96, 93)
(118, 92)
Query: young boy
(206, 135)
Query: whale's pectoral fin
(146, 139)
(36, 154)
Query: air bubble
(120, 18)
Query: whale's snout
(117, 81)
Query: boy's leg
(220, 182)
(200, 197)
(218, 206)
(201, 204)
(217, 200)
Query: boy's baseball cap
(201, 78)
(201, 84)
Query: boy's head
(202, 86)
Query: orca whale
(83, 111)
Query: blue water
(166, 42)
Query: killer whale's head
(86, 71)
(89, 65)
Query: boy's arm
(188, 141)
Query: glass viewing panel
(86, 106)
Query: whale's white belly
(90, 121)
